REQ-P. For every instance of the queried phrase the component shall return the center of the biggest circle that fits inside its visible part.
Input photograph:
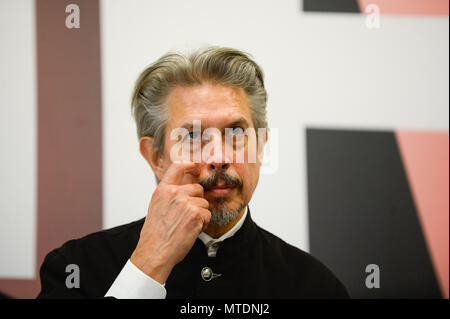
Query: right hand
(177, 214)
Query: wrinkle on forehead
(215, 105)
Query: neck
(216, 231)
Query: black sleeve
(53, 278)
(99, 258)
(340, 292)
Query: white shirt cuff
(132, 283)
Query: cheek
(165, 162)
(249, 173)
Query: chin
(224, 203)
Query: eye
(192, 136)
(237, 131)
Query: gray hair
(218, 65)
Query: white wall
(17, 139)
(321, 70)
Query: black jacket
(253, 264)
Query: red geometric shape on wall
(413, 7)
(69, 159)
(425, 157)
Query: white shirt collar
(209, 241)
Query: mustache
(212, 180)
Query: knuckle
(171, 191)
(205, 202)
(207, 216)
(164, 191)
(196, 216)
(199, 188)
(181, 200)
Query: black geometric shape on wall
(349, 6)
(361, 212)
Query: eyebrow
(240, 121)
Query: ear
(151, 155)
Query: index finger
(177, 170)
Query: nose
(219, 166)
(218, 159)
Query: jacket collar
(234, 245)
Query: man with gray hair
(198, 239)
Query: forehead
(214, 105)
